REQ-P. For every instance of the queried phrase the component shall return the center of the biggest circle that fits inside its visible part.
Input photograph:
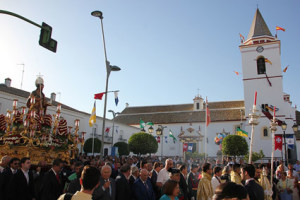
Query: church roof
(258, 27)
(184, 113)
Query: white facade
(268, 85)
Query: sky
(168, 51)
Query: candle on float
(32, 100)
(15, 102)
(58, 107)
(8, 114)
(255, 98)
(274, 111)
(23, 110)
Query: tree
(123, 148)
(256, 156)
(87, 148)
(234, 145)
(142, 143)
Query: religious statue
(37, 98)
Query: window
(261, 65)
(198, 106)
(265, 132)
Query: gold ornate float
(34, 133)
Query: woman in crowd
(294, 180)
(285, 187)
(171, 190)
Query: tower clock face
(259, 49)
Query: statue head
(39, 82)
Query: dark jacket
(192, 183)
(142, 191)
(123, 190)
(184, 187)
(5, 177)
(154, 186)
(99, 193)
(18, 188)
(255, 191)
(51, 188)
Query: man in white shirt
(164, 175)
(216, 180)
(89, 181)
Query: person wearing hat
(175, 176)
(40, 105)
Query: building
(259, 51)
(122, 132)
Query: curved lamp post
(113, 127)
(109, 68)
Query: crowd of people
(145, 178)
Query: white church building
(261, 65)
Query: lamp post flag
(172, 136)
(92, 119)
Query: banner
(278, 142)
(289, 138)
(185, 147)
(190, 147)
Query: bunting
(278, 28)
(268, 61)
(284, 70)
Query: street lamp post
(284, 126)
(113, 126)
(109, 68)
(160, 132)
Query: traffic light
(45, 38)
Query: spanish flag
(280, 29)
(268, 61)
(92, 120)
(240, 132)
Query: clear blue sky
(166, 49)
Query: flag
(142, 123)
(166, 139)
(280, 29)
(172, 136)
(290, 140)
(237, 73)
(278, 142)
(207, 113)
(240, 132)
(116, 98)
(92, 120)
(268, 61)
(190, 147)
(242, 37)
(185, 147)
(99, 95)
(107, 131)
(285, 68)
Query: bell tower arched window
(261, 65)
